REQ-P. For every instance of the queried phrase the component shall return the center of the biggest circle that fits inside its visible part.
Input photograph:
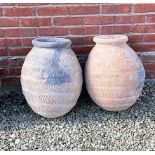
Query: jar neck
(110, 39)
(111, 44)
(51, 42)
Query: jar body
(114, 76)
(51, 80)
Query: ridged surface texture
(51, 80)
(114, 76)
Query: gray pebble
(86, 127)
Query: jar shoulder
(114, 57)
(47, 57)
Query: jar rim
(110, 39)
(51, 42)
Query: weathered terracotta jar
(114, 73)
(51, 77)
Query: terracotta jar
(114, 73)
(51, 77)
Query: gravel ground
(86, 127)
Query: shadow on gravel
(15, 113)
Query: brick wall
(20, 23)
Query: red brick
(35, 22)
(15, 62)
(28, 22)
(3, 72)
(27, 41)
(143, 47)
(18, 11)
(150, 75)
(115, 29)
(53, 31)
(144, 8)
(149, 38)
(89, 40)
(135, 38)
(15, 71)
(151, 18)
(2, 33)
(11, 80)
(3, 52)
(62, 21)
(143, 28)
(0, 11)
(148, 58)
(82, 49)
(115, 9)
(9, 22)
(77, 40)
(44, 21)
(84, 40)
(52, 10)
(80, 10)
(13, 42)
(2, 43)
(18, 51)
(85, 30)
(95, 20)
(3, 62)
(9, 42)
(12, 32)
(28, 32)
(129, 19)
(149, 66)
